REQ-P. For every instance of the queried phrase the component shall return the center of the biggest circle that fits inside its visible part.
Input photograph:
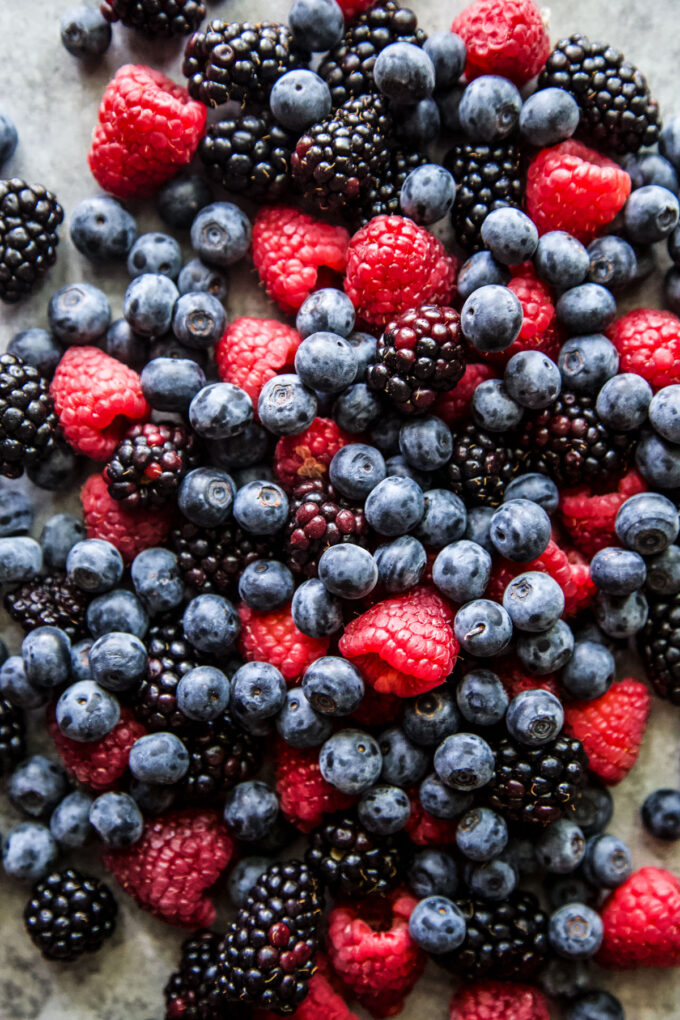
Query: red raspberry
(274, 638)
(130, 532)
(252, 351)
(98, 764)
(611, 728)
(589, 519)
(404, 645)
(455, 404)
(499, 1000)
(322, 1002)
(289, 249)
(506, 37)
(167, 871)
(571, 187)
(540, 330)
(424, 829)
(148, 128)
(394, 265)
(648, 342)
(573, 579)
(97, 399)
(377, 709)
(370, 948)
(308, 454)
(304, 794)
(642, 922)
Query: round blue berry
(94, 565)
(46, 652)
(327, 310)
(326, 361)
(561, 847)
(404, 72)
(70, 820)
(79, 313)
(203, 694)
(430, 717)
(520, 530)
(548, 651)
(661, 814)
(650, 214)
(624, 401)
(350, 761)
(534, 601)
(298, 724)
(251, 810)
(462, 570)
(394, 506)
(403, 762)
(258, 691)
(117, 610)
(481, 697)
(549, 116)
(534, 717)
(612, 262)
(149, 303)
(446, 50)
(21, 559)
(493, 408)
(400, 563)
(608, 861)
(481, 834)
(159, 758)
(384, 809)
(658, 461)
(157, 580)
(155, 253)
(432, 872)
(333, 686)
(532, 379)
(427, 194)
(36, 786)
(220, 234)
(170, 384)
(37, 347)
(535, 487)
(492, 318)
(198, 320)
(29, 851)
(243, 876)
(265, 585)
(464, 761)
(357, 409)
(588, 308)
(575, 931)
(509, 235)
(490, 108)
(356, 469)
(587, 362)
(220, 410)
(59, 534)
(16, 688)
(117, 819)
(117, 661)
(441, 801)
(86, 712)
(211, 623)
(561, 260)
(437, 925)
(348, 571)
(261, 507)
(315, 611)
(647, 523)
(621, 616)
(206, 497)
(286, 406)
(85, 33)
(301, 98)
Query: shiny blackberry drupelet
(420, 354)
(12, 736)
(52, 601)
(28, 424)
(481, 465)
(348, 68)
(617, 109)
(156, 18)
(267, 956)
(191, 991)
(569, 442)
(212, 559)
(382, 195)
(659, 645)
(69, 914)
(537, 784)
(154, 702)
(237, 61)
(353, 862)
(249, 154)
(29, 217)
(488, 177)
(221, 754)
(319, 517)
(149, 464)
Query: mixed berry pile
(335, 634)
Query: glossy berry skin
(70, 820)
(479, 270)
(400, 563)
(117, 660)
(206, 496)
(286, 406)
(149, 303)
(549, 116)
(196, 277)
(198, 319)
(181, 199)
(536, 487)
(430, 717)
(491, 318)
(444, 519)
(575, 931)
(85, 33)
(548, 651)
(404, 72)
(220, 234)
(481, 697)
(587, 362)
(534, 717)
(532, 380)
(647, 523)
(651, 214)
(489, 109)
(250, 810)
(590, 671)
(432, 872)
(266, 584)
(464, 761)
(481, 835)
(618, 571)
(661, 814)
(462, 570)
(210, 623)
(86, 712)
(333, 686)
(561, 847)
(520, 530)
(394, 506)
(170, 384)
(300, 98)
(79, 313)
(493, 408)
(384, 810)
(437, 925)
(426, 443)
(608, 861)
(94, 565)
(510, 235)
(243, 877)
(403, 762)
(613, 262)
(203, 693)
(46, 652)
(534, 601)
(427, 194)
(315, 611)
(116, 819)
(326, 361)
(441, 801)
(561, 260)
(29, 851)
(624, 401)
(102, 229)
(350, 761)
(348, 571)
(298, 724)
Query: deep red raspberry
(499, 1000)
(571, 187)
(130, 532)
(98, 764)
(148, 127)
(506, 37)
(97, 399)
(394, 265)
(322, 1001)
(455, 405)
(377, 709)
(273, 637)
(289, 250)
(642, 922)
(304, 794)
(167, 871)
(252, 351)
(370, 948)
(648, 342)
(540, 330)
(589, 518)
(573, 578)
(611, 728)
(424, 829)
(307, 455)
(404, 645)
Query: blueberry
(481, 697)
(350, 761)
(481, 834)
(658, 461)
(464, 761)
(575, 931)
(535, 487)
(258, 691)
(588, 308)
(265, 585)
(571, 888)
(546, 652)
(301, 98)
(494, 880)
(149, 302)
(314, 610)
(326, 311)
(489, 109)
(60, 533)
(479, 270)
(198, 320)
(286, 406)
(618, 571)
(117, 819)
(621, 616)
(427, 194)
(430, 717)
(333, 686)
(37, 347)
(261, 507)
(16, 688)
(401, 564)
(561, 847)
(397, 466)
(661, 814)
(669, 141)
(647, 523)
(70, 820)
(197, 278)
(211, 623)
(326, 361)
(448, 102)
(298, 724)
(159, 758)
(608, 861)
(356, 469)
(46, 652)
(531, 379)
(170, 384)
(403, 762)
(86, 712)
(117, 610)
(588, 362)
(16, 512)
(493, 408)
(446, 50)
(462, 570)
(206, 497)
(664, 413)
(650, 168)
(36, 786)
(9, 138)
(437, 925)
(357, 408)
(220, 234)
(151, 798)
(21, 559)
(432, 872)
(157, 580)
(440, 800)
(220, 410)
(509, 234)
(565, 979)
(348, 571)
(650, 214)
(155, 253)
(79, 313)
(534, 717)
(492, 318)
(624, 401)
(561, 260)
(549, 116)
(365, 348)
(29, 851)
(251, 809)
(444, 520)
(94, 565)
(417, 124)
(117, 661)
(520, 530)
(85, 33)
(384, 809)
(56, 471)
(404, 72)
(612, 262)
(590, 671)
(594, 1005)
(80, 660)
(394, 506)
(534, 601)
(181, 199)
(245, 449)
(663, 571)
(594, 808)
(102, 230)
(478, 527)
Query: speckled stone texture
(54, 102)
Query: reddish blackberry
(212, 559)
(420, 354)
(28, 424)
(191, 992)
(156, 18)
(221, 754)
(249, 154)
(382, 195)
(29, 217)
(12, 736)
(237, 61)
(170, 657)
(352, 862)
(69, 914)
(488, 177)
(267, 956)
(149, 463)
(617, 109)
(537, 784)
(481, 465)
(348, 68)
(318, 518)
(52, 601)
(659, 645)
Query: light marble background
(53, 100)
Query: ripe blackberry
(348, 68)
(212, 559)
(420, 354)
(221, 754)
(12, 736)
(170, 657)
(28, 424)
(659, 645)
(537, 784)
(336, 160)
(52, 601)
(191, 991)
(488, 177)
(352, 862)
(69, 914)
(617, 108)
(568, 441)
(237, 61)
(318, 518)
(481, 465)
(29, 217)
(156, 18)
(382, 194)
(249, 154)
(267, 956)
(149, 463)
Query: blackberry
(617, 109)
(149, 463)
(348, 68)
(156, 18)
(280, 919)
(318, 518)
(69, 914)
(481, 465)
(487, 177)
(12, 736)
(659, 645)
(191, 990)
(537, 784)
(569, 442)
(170, 657)
(249, 154)
(28, 424)
(221, 754)
(352, 862)
(237, 61)
(53, 601)
(212, 559)
(29, 217)
(382, 195)
(419, 354)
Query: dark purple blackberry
(212, 559)
(351, 861)
(29, 217)
(249, 154)
(52, 601)
(319, 517)
(382, 195)
(221, 754)
(191, 993)
(170, 657)
(481, 466)
(28, 424)
(69, 914)
(156, 18)
(149, 464)
(659, 644)
(12, 736)
(487, 177)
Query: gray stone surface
(54, 103)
